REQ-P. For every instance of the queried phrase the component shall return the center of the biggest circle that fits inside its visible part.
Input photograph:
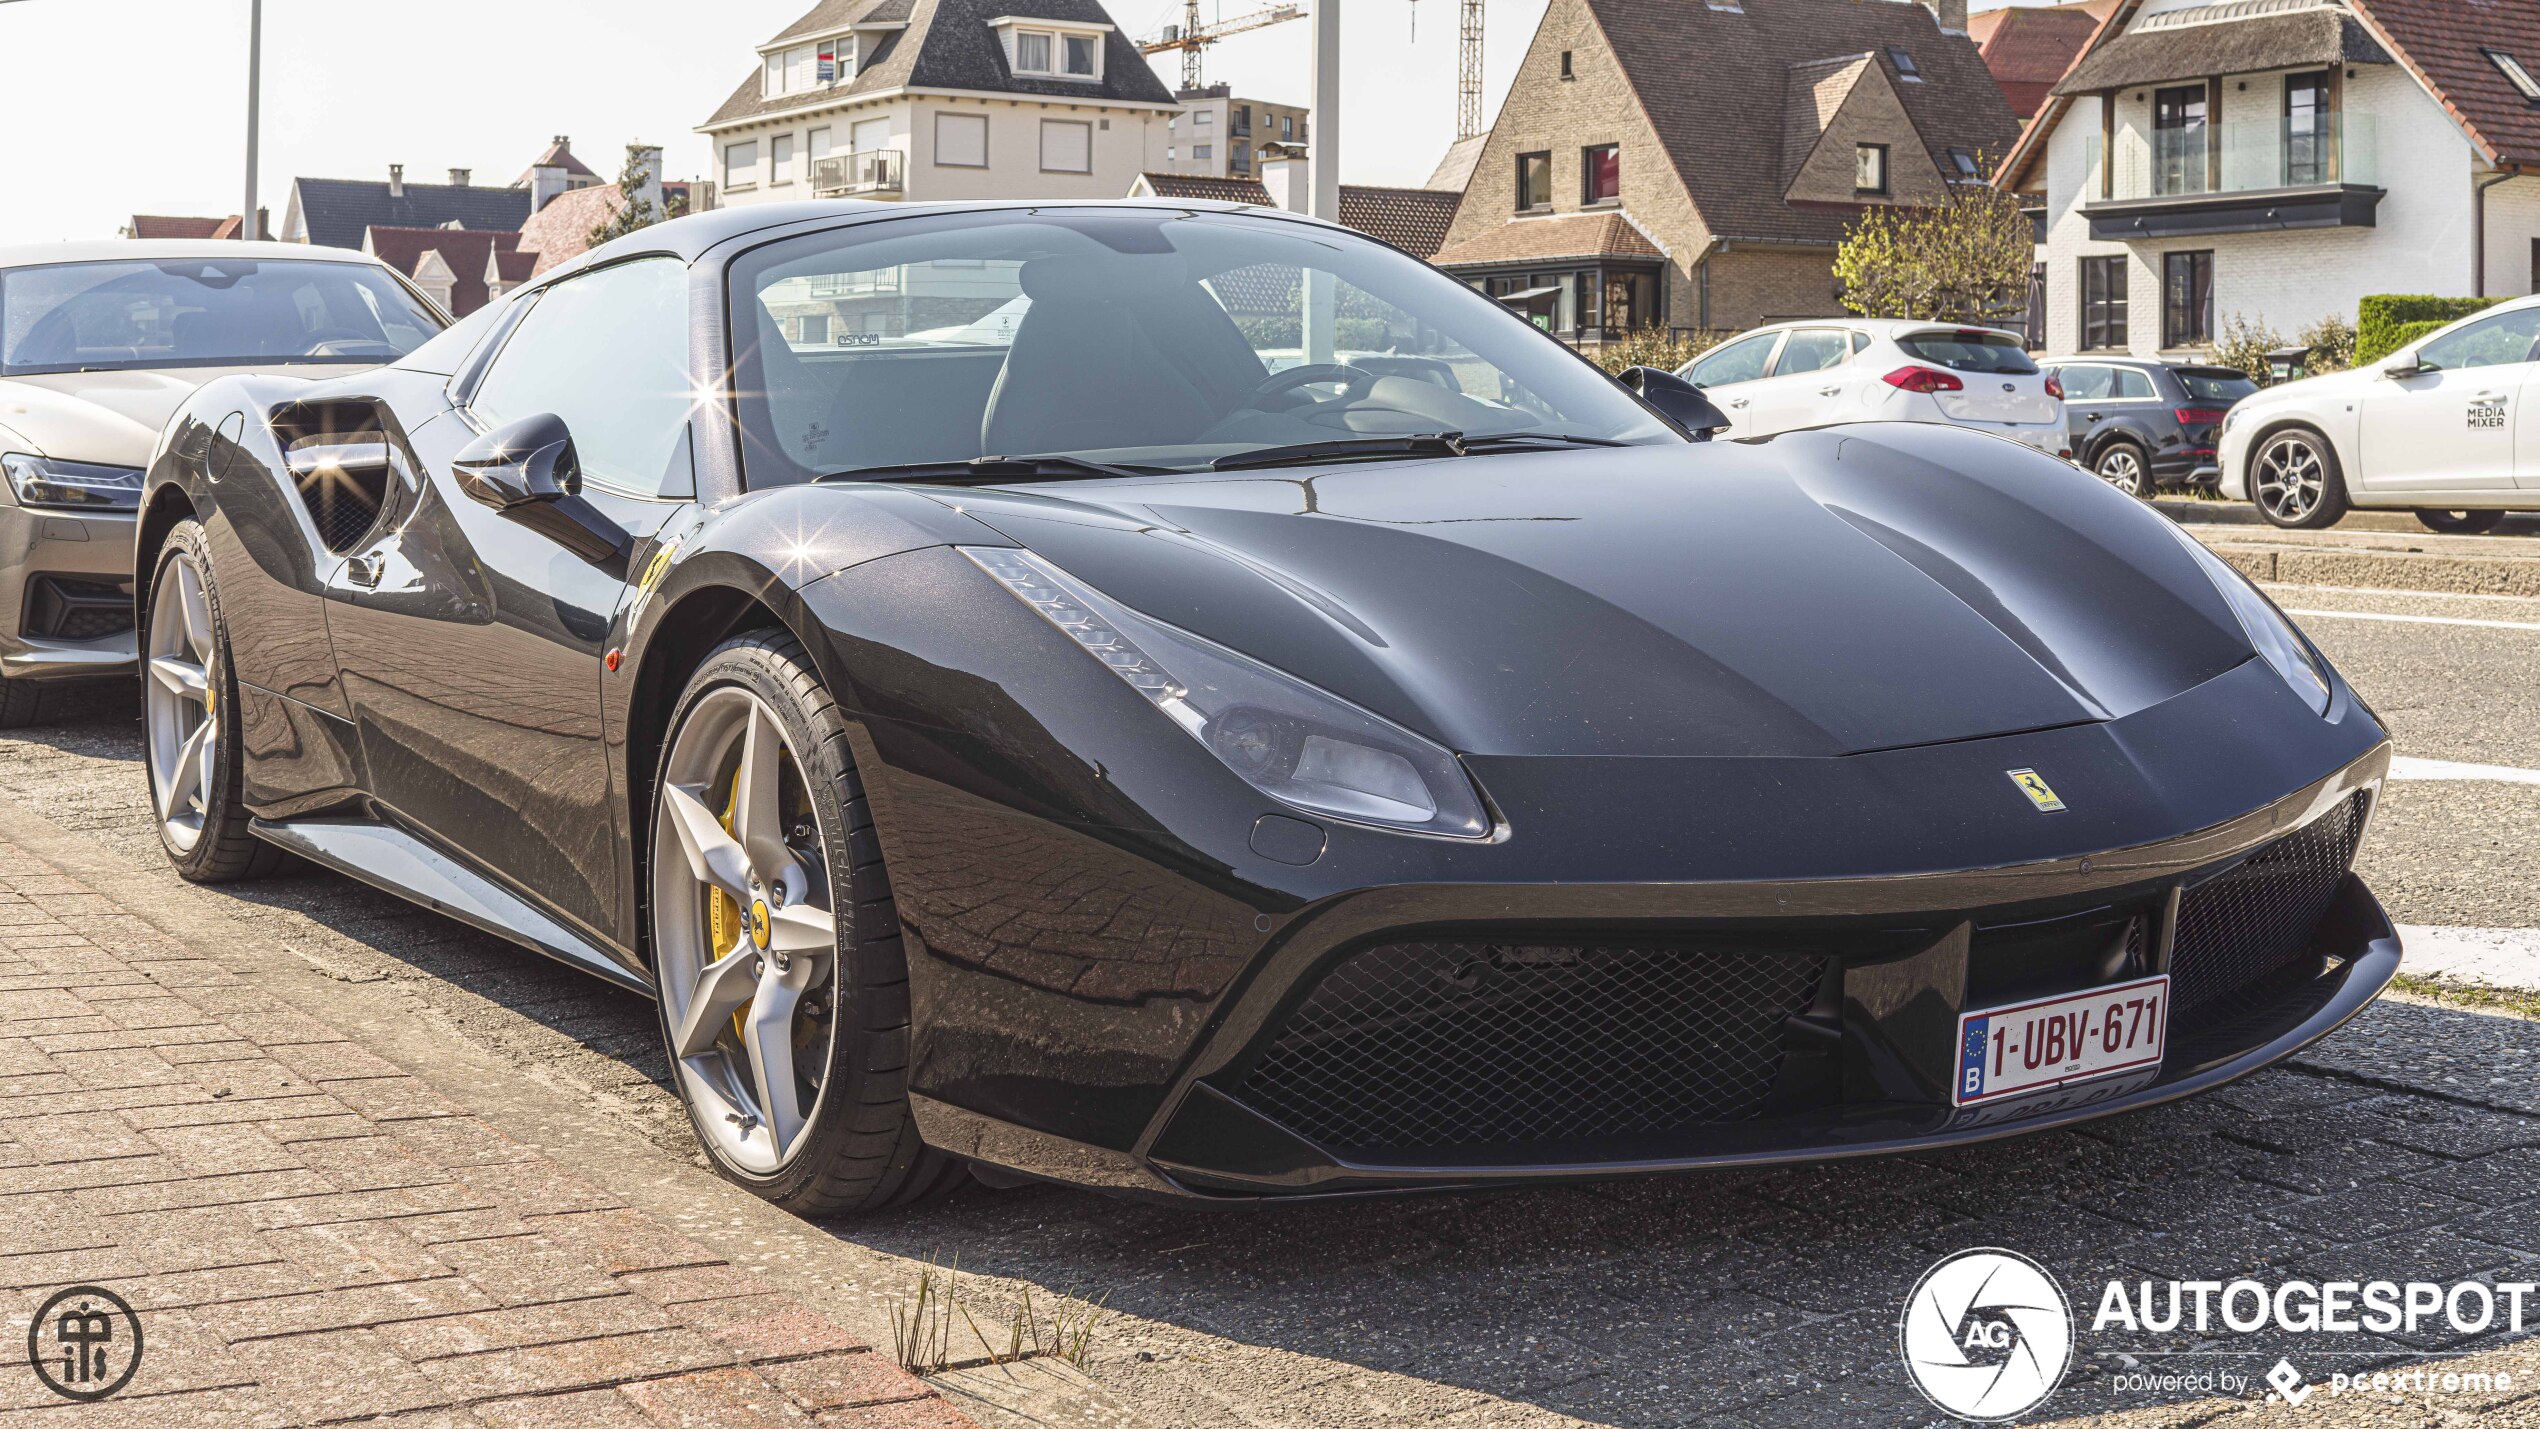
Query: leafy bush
(2332, 344)
(2245, 345)
(1663, 348)
(2387, 322)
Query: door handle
(363, 571)
(2098, 416)
(2486, 397)
(1829, 391)
(1737, 401)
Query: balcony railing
(875, 171)
(2243, 157)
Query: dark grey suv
(2144, 424)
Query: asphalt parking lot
(2407, 1147)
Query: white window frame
(732, 167)
(1049, 126)
(960, 118)
(1093, 55)
(1055, 33)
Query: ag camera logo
(1987, 1335)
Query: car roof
(145, 250)
(1875, 327)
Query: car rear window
(2217, 384)
(1967, 350)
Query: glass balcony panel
(2239, 157)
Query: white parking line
(2404, 767)
(2490, 957)
(2417, 619)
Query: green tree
(1965, 260)
(634, 210)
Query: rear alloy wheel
(190, 721)
(2296, 482)
(776, 950)
(2460, 523)
(2124, 467)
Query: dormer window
(1906, 69)
(1052, 49)
(2513, 71)
(800, 69)
(1962, 164)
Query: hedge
(2390, 321)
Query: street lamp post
(255, 62)
(1323, 175)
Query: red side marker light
(613, 659)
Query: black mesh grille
(2256, 919)
(67, 608)
(1409, 1046)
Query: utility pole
(1323, 172)
(255, 62)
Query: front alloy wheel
(2123, 467)
(2296, 482)
(190, 721)
(786, 1023)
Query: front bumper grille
(2253, 920)
(69, 608)
(1412, 1046)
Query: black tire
(27, 702)
(861, 1151)
(2304, 448)
(2461, 523)
(226, 851)
(2127, 467)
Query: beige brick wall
(1752, 287)
(1871, 114)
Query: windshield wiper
(1416, 444)
(990, 470)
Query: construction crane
(1193, 38)
(1468, 71)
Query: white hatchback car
(1826, 370)
(2432, 428)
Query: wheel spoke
(720, 991)
(712, 854)
(801, 928)
(183, 678)
(198, 612)
(768, 1029)
(757, 819)
(182, 782)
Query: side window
(2134, 385)
(607, 352)
(2505, 338)
(1740, 361)
(1812, 350)
(2089, 384)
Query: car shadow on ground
(1759, 1298)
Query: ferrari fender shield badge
(2038, 790)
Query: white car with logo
(2433, 428)
(1826, 370)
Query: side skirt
(394, 861)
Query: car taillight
(1923, 379)
(2054, 388)
(2199, 416)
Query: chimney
(1283, 174)
(458, 178)
(396, 181)
(1952, 15)
(645, 159)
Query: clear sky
(115, 107)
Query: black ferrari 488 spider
(1192, 701)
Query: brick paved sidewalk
(311, 1236)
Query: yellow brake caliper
(723, 911)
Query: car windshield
(1144, 338)
(2216, 384)
(1969, 351)
(204, 312)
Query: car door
(2088, 388)
(1727, 370)
(471, 645)
(1807, 386)
(2448, 425)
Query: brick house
(2029, 47)
(1694, 163)
(2278, 160)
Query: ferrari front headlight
(2274, 636)
(1295, 743)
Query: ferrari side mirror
(1675, 399)
(527, 471)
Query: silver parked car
(99, 343)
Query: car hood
(1821, 593)
(111, 418)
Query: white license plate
(2003, 1051)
